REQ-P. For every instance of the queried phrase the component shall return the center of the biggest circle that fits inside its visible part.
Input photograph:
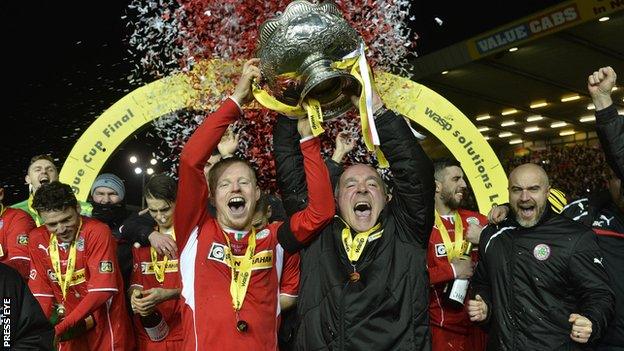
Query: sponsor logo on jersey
(217, 252)
(440, 250)
(106, 267)
(78, 277)
(33, 274)
(541, 252)
(80, 244)
(22, 239)
(148, 267)
(221, 253)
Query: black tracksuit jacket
(387, 309)
(532, 279)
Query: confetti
(167, 37)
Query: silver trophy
(297, 49)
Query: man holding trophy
(364, 280)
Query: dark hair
(443, 163)
(54, 196)
(217, 170)
(162, 187)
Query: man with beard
(540, 283)
(364, 283)
(451, 328)
(42, 170)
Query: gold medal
(60, 309)
(354, 277)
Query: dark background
(65, 62)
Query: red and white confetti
(168, 36)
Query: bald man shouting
(540, 283)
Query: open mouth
(237, 205)
(44, 180)
(527, 211)
(362, 209)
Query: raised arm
(192, 187)
(303, 225)
(609, 125)
(412, 196)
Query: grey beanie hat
(110, 181)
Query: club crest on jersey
(80, 244)
(440, 250)
(541, 252)
(217, 252)
(22, 239)
(262, 234)
(106, 267)
(472, 220)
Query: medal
(60, 309)
(354, 277)
(242, 326)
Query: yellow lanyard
(453, 249)
(56, 261)
(32, 210)
(159, 269)
(2, 209)
(355, 246)
(241, 275)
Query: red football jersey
(209, 319)
(144, 277)
(441, 273)
(96, 270)
(14, 227)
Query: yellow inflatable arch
(481, 166)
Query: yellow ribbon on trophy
(356, 63)
(311, 108)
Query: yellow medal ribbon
(63, 280)
(453, 249)
(32, 210)
(355, 246)
(159, 266)
(241, 276)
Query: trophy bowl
(297, 50)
